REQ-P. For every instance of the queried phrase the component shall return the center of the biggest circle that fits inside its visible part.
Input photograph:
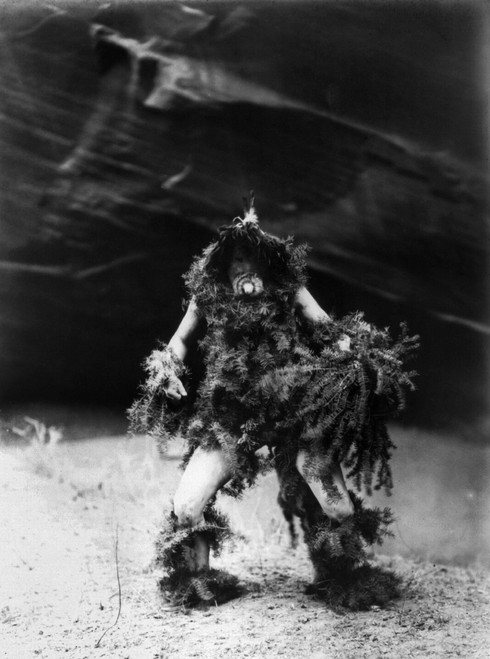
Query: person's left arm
(309, 309)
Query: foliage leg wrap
(182, 585)
(344, 577)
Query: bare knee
(187, 509)
(336, 507)
(205, 473)
(339, 510)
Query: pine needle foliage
(152, 413)
(179, 584)
(345, 539)
(356, 588)
(344, 575)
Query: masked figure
(278, 372)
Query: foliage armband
(153, 413)
(162, 366)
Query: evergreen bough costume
(272, 379)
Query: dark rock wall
(129, 133)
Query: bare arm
(307, 307)
(186, 332)
(179, 344)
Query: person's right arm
(181, 341)
(186, 332)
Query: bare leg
(205, 473)
(337, 509)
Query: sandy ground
(67, 511)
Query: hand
(174, 389)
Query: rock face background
(129, 132)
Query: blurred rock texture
(130, 131)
